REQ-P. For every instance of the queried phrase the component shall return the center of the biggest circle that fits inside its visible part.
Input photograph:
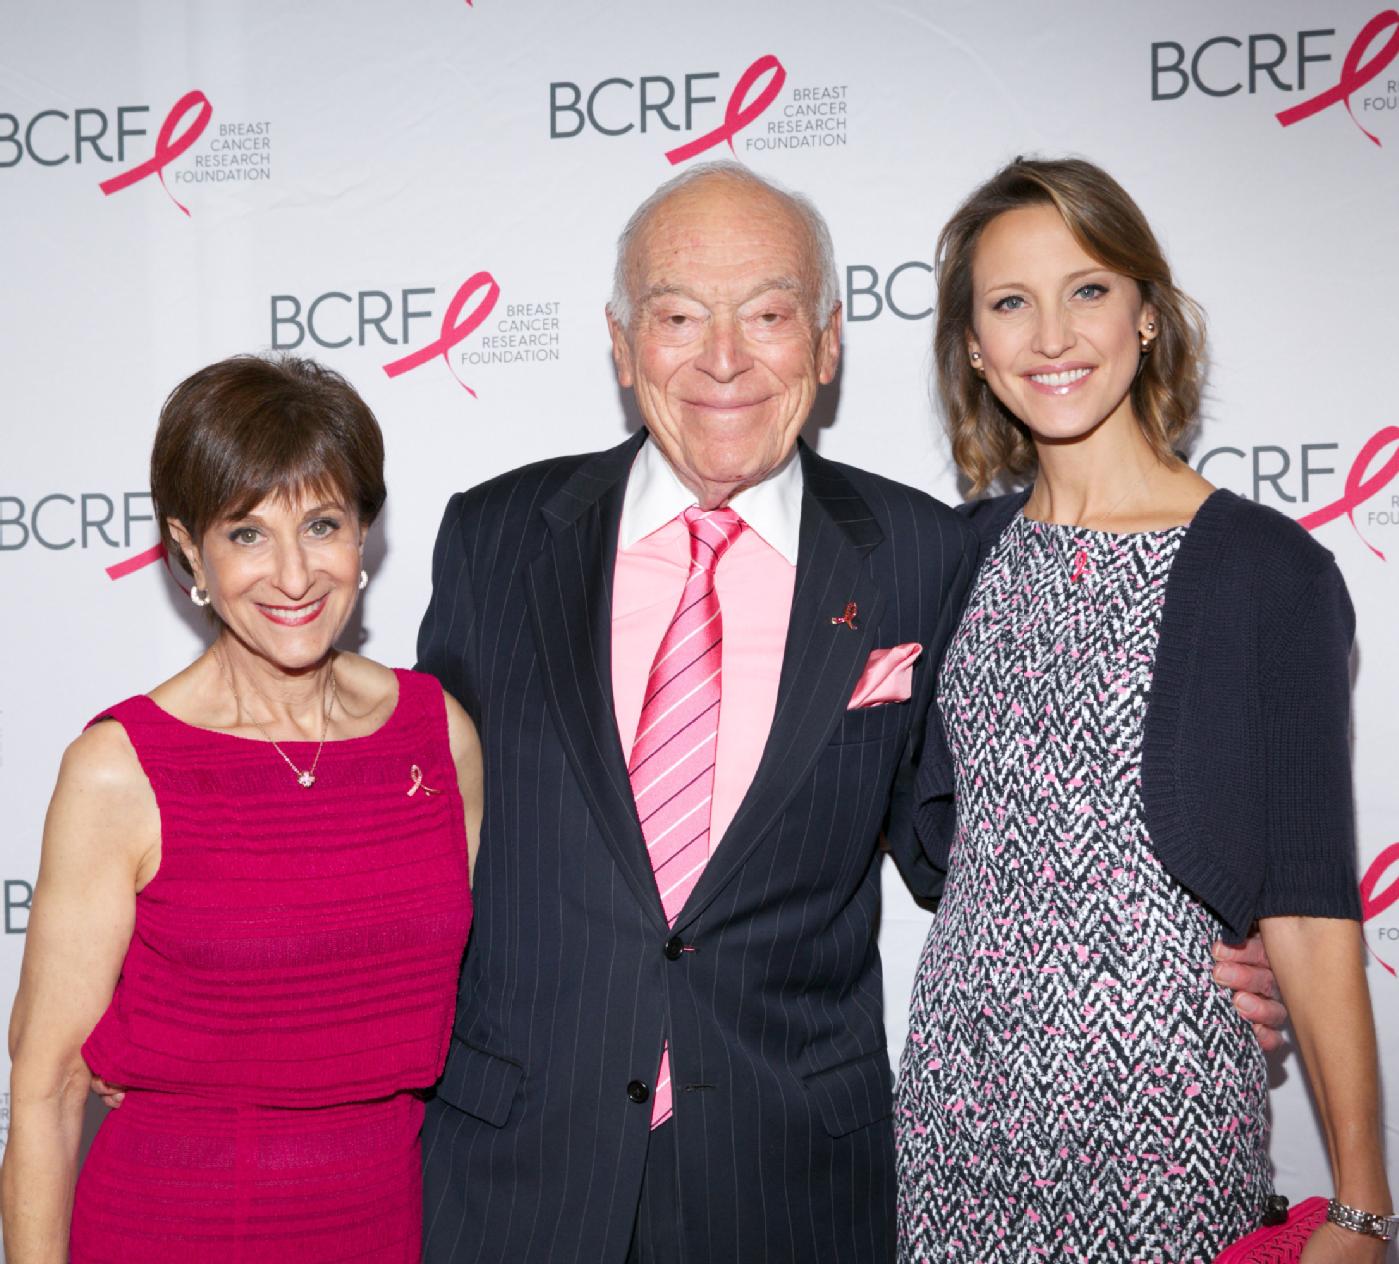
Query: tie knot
(711, 533)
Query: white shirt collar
(655, 495)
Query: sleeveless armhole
(423, 701)
(136, 715)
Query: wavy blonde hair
(988, 442)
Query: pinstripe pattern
(532, 1150)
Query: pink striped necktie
(672, 759)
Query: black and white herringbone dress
(1074, 1086)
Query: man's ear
(187, 548)
(621, 352)
(828, 348)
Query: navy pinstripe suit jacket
(533, 1149)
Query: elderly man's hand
(1246, 970)
(112, 1095)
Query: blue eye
(1091, 290)
(1011, 303)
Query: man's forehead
(756, 288)
(715, 241)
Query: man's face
(723, 349)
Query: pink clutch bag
(1278, 1243)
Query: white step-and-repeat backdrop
(425, 195)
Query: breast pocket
(871, 724)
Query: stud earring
(200, 597)
(1146, 345)
(363, 580)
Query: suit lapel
(570, 596)
(821, 662)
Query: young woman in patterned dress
(1145, 717)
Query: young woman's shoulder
(1261, 536)
(989, 515)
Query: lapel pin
(417, 774)
(848, 616)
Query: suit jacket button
(673, 948)
(638, 1091)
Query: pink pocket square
(888, 677)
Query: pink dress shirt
(755, 582)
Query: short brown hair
(250, 427)
(987, 440)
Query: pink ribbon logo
(417, 774)
(737, 115)
(453, 331)
(1355, 73)
(1361, 485)
(120, 570)
(168, 146)
(1372, 902)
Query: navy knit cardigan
(1246, 780)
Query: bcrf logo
(1268, 61)
(338, 318)
(58, 521)
(1296, 477)
(618, 105)
(904, 291)
(54, 138)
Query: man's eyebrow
(662, 290)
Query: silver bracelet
(1366, 1222)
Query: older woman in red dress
(254, 895)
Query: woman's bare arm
(466, 754)
(1320, 967)
(101, 842)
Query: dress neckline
(1067, 528)
(389, 721)
(1021, 516)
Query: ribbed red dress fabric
(288, 991)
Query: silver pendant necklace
(305, 777)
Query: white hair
(821, 253)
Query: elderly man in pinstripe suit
(701, 664)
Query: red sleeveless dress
(287, 994)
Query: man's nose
(724, 355)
